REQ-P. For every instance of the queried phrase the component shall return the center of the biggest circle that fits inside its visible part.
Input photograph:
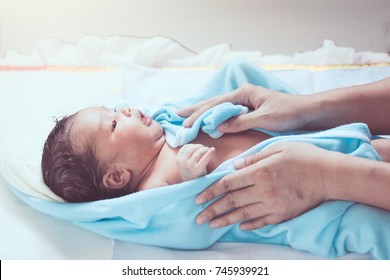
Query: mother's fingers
(251, 216)
(233, 181)
(194, 111)
(260, 222)
(241, 200)
(240, 123)
(241, 178)
(187, 111)
(261, 155)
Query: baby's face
(127, 136)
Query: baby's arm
(192, 160)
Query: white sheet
(28, 99)
(219, 251)
(28, 234)
(164, 52)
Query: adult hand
(272, 186)
(272, 110)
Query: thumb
(239, 123)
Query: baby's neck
(161, 171)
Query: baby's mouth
(146, 120)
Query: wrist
(348, 177)
(320, 109)
(335, 184)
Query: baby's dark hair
(73, 173)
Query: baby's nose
(126, 111)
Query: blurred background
(271, 26)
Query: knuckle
(224, 221)
(245, 213)
(259, 223)
(266, 220)
(231, 202)
(203, 149)
(239, 91)
(183, 149)
(247, 87)
(227, 184)
(180, 153)
(210, 212)
(272, 219)
(249, 160)
(197, 169)
(250, 225)
(236, 122)
(212, 102)
(196, 147)
(267, 174)
(209, 194)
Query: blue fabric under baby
(166, 216)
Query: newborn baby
(99, 153)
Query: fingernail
(215, 224)
(201, 220)
(238, 163)
(200, 200)
(244, 227)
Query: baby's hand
(192, 160)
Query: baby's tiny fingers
(188, 150)
(198, 154)
(206, 157)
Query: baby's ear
(116, 178)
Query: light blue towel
(166, 216)
(176, 135)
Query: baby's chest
(230, 145)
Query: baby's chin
(160, 135)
